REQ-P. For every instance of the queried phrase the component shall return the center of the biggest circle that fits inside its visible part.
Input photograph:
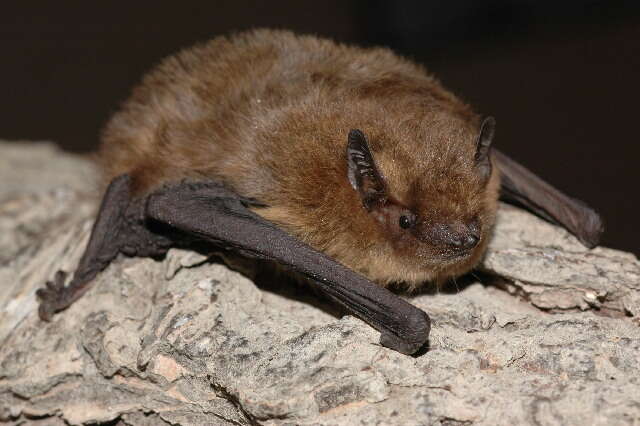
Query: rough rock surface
(550, 337)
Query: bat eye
(406, 222)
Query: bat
(352, 167)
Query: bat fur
(268, 113)
(325, 158)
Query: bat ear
(483, 146)
(362, 171)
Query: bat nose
(457, 237)
(460, 237)
(465, 241)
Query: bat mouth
(453, 256)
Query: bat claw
(53, 297)
(57, 284)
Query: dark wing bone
(523, 188)
(213, 213)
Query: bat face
(439, 222)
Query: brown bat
(349, 166)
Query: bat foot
(54, 296)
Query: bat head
(437, 210)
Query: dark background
(561, 77)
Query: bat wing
(119, 227)
(522, 187)
(211, 212)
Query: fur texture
(268, 112)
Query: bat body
(318, 156)
(268, 114)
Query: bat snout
(455, 239)
(465, 241)
(459, 241)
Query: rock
(555, 272)
(190, 341)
